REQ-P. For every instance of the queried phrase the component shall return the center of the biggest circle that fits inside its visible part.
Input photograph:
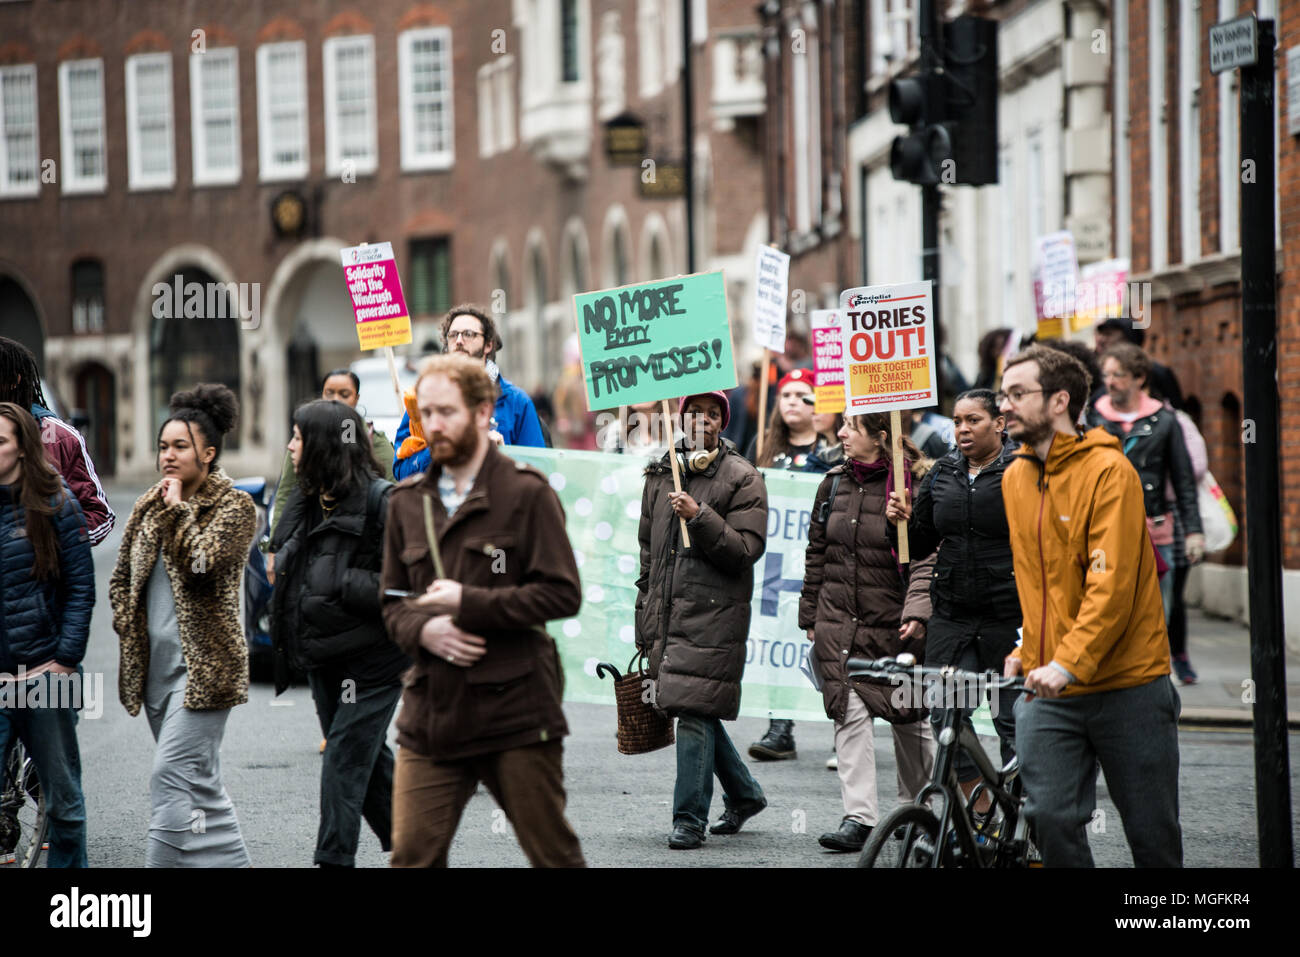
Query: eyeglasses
(1014, 397)
(466, 335)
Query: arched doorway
(323, 333)
(19, 321)
(93, 397)
(196, 340)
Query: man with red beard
(482, 700)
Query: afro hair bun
(213, 399)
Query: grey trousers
(1133, 732)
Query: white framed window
(487, 126)
(503, 87)
(19, 159)
(214, 114)
(150, 148)
(1122, 168)
(351, 140)
(1158, 136)
(650, 50)
(424, 69)
(282, 146)
(81, 126)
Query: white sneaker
(833, 763)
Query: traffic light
(920, 155)
(951, 112)
(970, 58)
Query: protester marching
(457, 604)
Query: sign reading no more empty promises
(1234, 43)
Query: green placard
(655, 340)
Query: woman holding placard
(857, 602)
(958, 510)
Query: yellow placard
(378, 333)
(829, 398)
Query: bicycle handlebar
(906, 664)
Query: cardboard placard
(377, 301)
(828, 361)
(889, 356)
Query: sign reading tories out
(377, 300)
(655, 340)
(828, 361)
(889, 356)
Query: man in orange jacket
(1095, 651)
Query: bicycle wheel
(916, 847)
(23, 821)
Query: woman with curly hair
(175, 597)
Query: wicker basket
(641, 728)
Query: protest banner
(376, 291)
(1056, 278)
(655, 341)
(601, 495)
(771, 293)
(889, 360)
(828, 361)
(1102, 287)
(377, 301)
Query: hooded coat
(693, 604)
(1085, 568)
(854, 596)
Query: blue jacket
(515, 418)
(45, 620)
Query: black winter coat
(693, 604)
(44, 620)
(1157, 449)
(325, 608)
(973, 595)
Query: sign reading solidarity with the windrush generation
(377, 300)
(828, 361)
(888, 336)
(655, 340)
(771, 291)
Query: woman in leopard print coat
(175, 598)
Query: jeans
(356, 776)
(1134, 733)
(1167, 581)
(1004, 721)
(703, 750)
(50, 735)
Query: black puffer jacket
(1156, 447)
(974, 594)
(325, 608)
(693, 604)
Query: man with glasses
(1095, 651)
(471, 331)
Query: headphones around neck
(697, 460)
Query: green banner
(655, 340)
(601, 495)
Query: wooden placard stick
(762, 404)
(677, 471)
(896, 431)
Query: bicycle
(916, 836)
(23, 821)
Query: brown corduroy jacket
(507, 546)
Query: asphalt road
(619, 805)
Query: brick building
(241, 148)
(1177, 216)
